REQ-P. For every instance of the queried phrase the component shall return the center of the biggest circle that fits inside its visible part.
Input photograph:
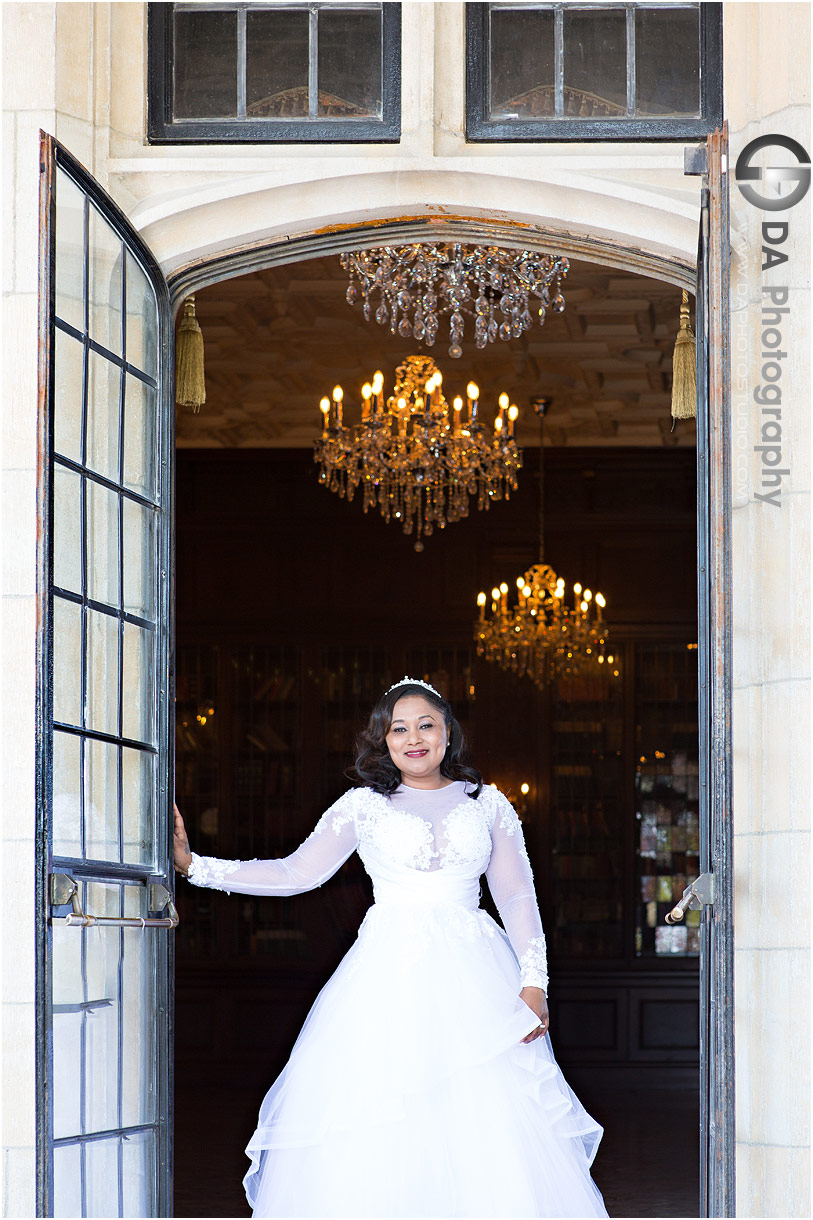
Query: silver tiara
(406, 681)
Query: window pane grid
(591, 67)
(313, 82)
(235, 72)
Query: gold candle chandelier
(417, 458)
(542, 636)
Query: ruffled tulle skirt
(410, 1093)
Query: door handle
(699, 894)
(64, 889)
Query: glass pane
(67, 795)
(67, 529)
(595, 63)
(138, 805)
(277, 65)
(102, 1173)
(205, 62)
(102, 950)
(667, 61)
(68, 1181)
(70, 252)
(68, 374)
(142, 320)
(140, 436)
(349, 64)
(67, 662)
(103, 544)
(68, 1000)
(139, 559)
(101, 801)
(522, 64)
(102, 671)
(138, 1049)
(104, 391)
(105, 283)
(138, 691)
(68, 1064)
(138, 1158)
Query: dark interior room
(295, 609)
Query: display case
(667, 852)
(587, 808)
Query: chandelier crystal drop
(417, 459)
(542, 636)
(409, 289)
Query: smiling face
(417, 740)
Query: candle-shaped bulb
(600, 600)
(458, 403)
(525, 789)
(503, 401)
(324, 406)
(338, 393)
(577, 588)
(401, 404)
(588, 596)
(583, 607)
(610, 658)
(495, 593)
(520, 582)
(526, 591)
(473, 390)
(513, 412)
(498, 424)
(503, 587)
(366, 390)
(378, 381)
(481, 599)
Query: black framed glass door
(105, 693)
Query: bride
(423, 1082)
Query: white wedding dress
(409, 1091)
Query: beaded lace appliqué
(402, 837)
(533, 964)
(468, 840)
(343, 810)
(210, 872)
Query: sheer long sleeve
(511, 883)
(326, 848)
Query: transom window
(274, 72)
(569, 71)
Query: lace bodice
(412, 831)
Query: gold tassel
(190, 383)
(684, 383)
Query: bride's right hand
(183, 856)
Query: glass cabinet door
(105, 986)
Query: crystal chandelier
(417, 459)
(542, 636)
(414, 285)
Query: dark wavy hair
(375, 769)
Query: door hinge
(695, 160)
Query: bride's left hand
(536, 1000)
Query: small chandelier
(414, 285)
(417, 459)
(542, 636)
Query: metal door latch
(696, 896)
(64, 890)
